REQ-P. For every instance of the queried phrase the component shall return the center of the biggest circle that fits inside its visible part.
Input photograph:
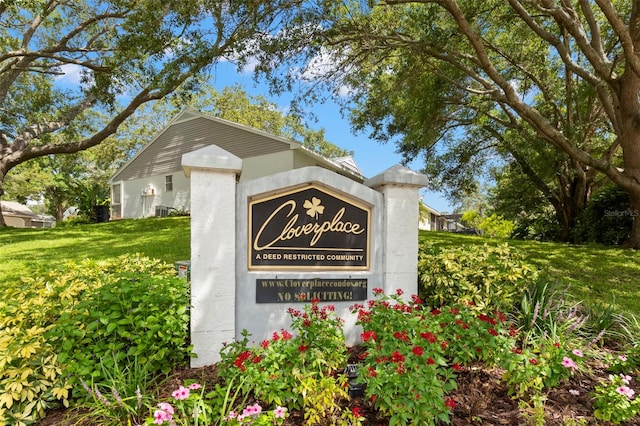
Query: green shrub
(607, 219)
(301, 371)
(41, 324)
(489, 277)
(495, 226)
(134, 315)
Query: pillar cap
(398, 175)
(211, 157)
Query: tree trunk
(630, 143)
(3, 224)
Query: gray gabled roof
(191, 130)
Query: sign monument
(264, 245)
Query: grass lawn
(23, 251)
(596, 274)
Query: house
(20, 216)
(153, 183)
(433, 220)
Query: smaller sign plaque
(289, 290)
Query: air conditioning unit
(162, 211)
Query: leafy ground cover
(413, 369)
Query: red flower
(302, 348)
(429, 336)
(450, 403)
(377, 291)
(372, 372)
(444, 345)
(533, 361)
(397, 357)
(275, 336)
(256, 359)
(401, 335)
(356, 412)
(454, 311)
(493, 332)
(517, 351)
(368, 335)
(456, 367)
(416, 300)
(435, 311)
(264, 344)
(399, 292)
(286, 335)
(430, 361)
(417, 350)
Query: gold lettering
(291, 230)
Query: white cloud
(71, 74)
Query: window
(115, 194)
(168, 183)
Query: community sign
(308, 227)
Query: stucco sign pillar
(399, 187)
(213, 173)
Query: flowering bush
(534, 369)
(299, 371)
(188, 407)
(254, 415)
(615, 400)
(412, 354)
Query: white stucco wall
(141, 196)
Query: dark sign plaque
(310, 227)
(304, 290)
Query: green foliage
(133, 315)
(412, 354)
(615, 401)
(546, 310)
(607, 219)
(490, 277)
(189, 406)
(299, 372)
(536, 367)
(45, 341)
(122, 394)
(495, 226)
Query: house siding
(164, 155)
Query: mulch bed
(481, 399)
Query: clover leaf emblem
(313, 206)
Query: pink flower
(166, 407)
(164, 414)
(622, 358)
(569, 363)
(252, 410)
(578, 352)
(626, 379)
(194, 386)
(279, 412)
(626, 391)
(181, 393)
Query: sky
(371, 156)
